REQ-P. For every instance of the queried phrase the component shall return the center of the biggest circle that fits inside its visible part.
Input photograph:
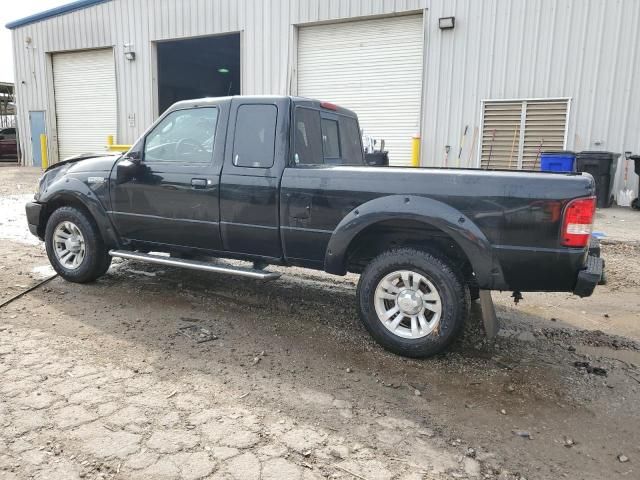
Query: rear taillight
(578, 222)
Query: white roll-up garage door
(373, 67)
(86, 103)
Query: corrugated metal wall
(268, 40)
(500, 49)
(584, 49)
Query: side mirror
(127, 169)
(135, 156)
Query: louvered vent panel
(505, 146)
(501, 135)
(544, 130)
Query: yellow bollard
(415, 151)
(115, 147)
(43, 151)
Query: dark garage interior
(198, 67)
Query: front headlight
(44, 181)
(36, 195)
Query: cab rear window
(350, 141)
(330, 140)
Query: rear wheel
(74, 246)
(412, 302)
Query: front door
(172, 197)
(37, 127)
(249, 193)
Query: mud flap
(489, 317)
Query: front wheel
(74, 246)
(412, 302)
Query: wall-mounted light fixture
(129, 54)
(446, 23)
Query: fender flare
(80, 193)
(421, 209)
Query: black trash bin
(602, 166)
(377, 159)
(636, 159)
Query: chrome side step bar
(195, 265)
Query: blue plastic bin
(557, 161)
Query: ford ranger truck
(282, 181)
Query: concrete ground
(161, 373)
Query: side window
(183, 136)
(255, 136)
(330, 139)
(326, 141)
(352, 153)
(307, 137)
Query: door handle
(198, 182)
(302, 214)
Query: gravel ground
(113, 380)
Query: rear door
(323, 141)
(255, 155)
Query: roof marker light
(329, 106)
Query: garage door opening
(198, 67)
(373, 67)
(84, 85)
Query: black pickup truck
(282, 181)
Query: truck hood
(98, 163)
(88, 162)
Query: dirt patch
(622, 265)
(18, 180)
(291, 359)
(100, 381)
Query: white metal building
(518, 77)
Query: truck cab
(206, 177)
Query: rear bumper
(593, 272)
(33, 217)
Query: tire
(438, 285)
(106, 263)
(474, 293)
(92, 258)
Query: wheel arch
(82, 198)
(432, 215)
